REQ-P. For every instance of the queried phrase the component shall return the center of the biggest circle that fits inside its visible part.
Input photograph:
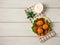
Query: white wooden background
(15, 27)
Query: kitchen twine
(50, 34)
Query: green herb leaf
(34, 24)
(30, 15)
(48, 22)
(50, 28)
(34, 30)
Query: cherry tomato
(42, 19)
(39, 34)
(45, 32)
(36, 27)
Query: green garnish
(34, 24)
(36, 20)
(30, 14)
(50, 28)
(49, 24)
(34, 30)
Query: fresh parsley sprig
(30, 14)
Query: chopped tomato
(42, 19)
(43, 22)
(36, 27)
(45, 32)
(39, 34)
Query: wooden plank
(27, 41)
(12, 15)
(21, 29)
(53, 14)
(27, 3)
(16, 29)
(18, 15)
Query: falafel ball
(39, 23)
(45, 26)
(40, 30)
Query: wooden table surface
(15, 27)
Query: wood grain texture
(15, 28)
(27, 3)
(19, 15)
(27, 41)
(21, 29)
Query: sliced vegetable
(50, 28)
(48, 22)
